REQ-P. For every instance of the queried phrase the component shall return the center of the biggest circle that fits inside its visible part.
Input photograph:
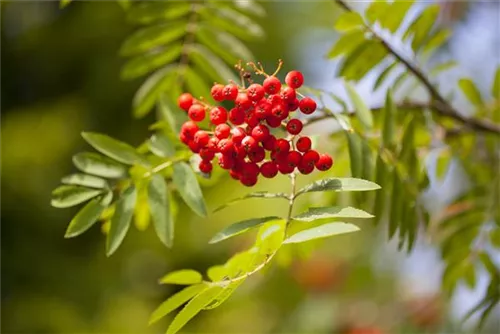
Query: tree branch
(439, 103)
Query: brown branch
(439, 103)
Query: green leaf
(470, 91)
(348, 21)
(240, 227)
(187, 185)
(362, 60)
(364, 114)
(384, 75)
(355, 153)
(88, 215)
(211, 64)
(224, 295)
(233, 22)
(96, 164)
(149, 92)
(161, 146)
(495, 88)
(196, 85)
(176, 301)
(153, 11)
(396, 204)
(367, 160)
(439, 37)
(322, 231)
(85, 180)
(347, 43)
(495, 237)
(488, 263)
(114, 149)
(259, 194)
(377, 10)
(223, 44)
(145, 63)
(339, 185)
(395, 15)
(389, 127)
(182, 277)
(159, 206)
(248, 6)
(122, 217)
(380, 197)
(153, 36)
(270, 238)
(192, 308)
(442, 67)
(64, 3)
(68, 195)
(331, 212)
(216, 273)
(170, 112)
(421, 27)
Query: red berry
(217, 92)
(184, 138)
(272, 85)
(236, 116)
(294, 79)
(257, 154)
(260, 132)
(285, 168)
(185, 101)
(193, 146)
(226, 161)
(212, 143)
(248, 181)
(275, 99)
(250, 169)
(255, 92)
(325, 162)
(269, 143)
(294, 126)
(234, 174)
(239, 152)
(293, 105)
(205, 166)
(305, 168)
(269, 169)
(207, 153)
(288, 94)
(307, 105)
(282, 145)
(279, 111)
(251, 119)
(279, 157)
(222, 131)
(293, 158)
(201, 138)
(230, 92)
(218, 115)
(196, 112)
(242, 102)
(310, 157)
(189, 128)
(304, 144)
(273, 121)
(238, 135)
(249, 143)
(225, 146)
(263, 109)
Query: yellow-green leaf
(322, 231)
(85, 180)
(240, 227)
(364, 114)
(159, 206)
(187, 185)
(88, 215)
(182, 277)
(331, 212)
(348, 21)
(470, 91)
(68, 195)
(114, 149)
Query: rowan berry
(185, 101)
(201, 138)
(212, 143)
(269, 143)
(249, 143)
(207, 153)
(281, 145)
(250, 169)
(226, 161)
(260, 132)
(269, 169)
(279, 111)
(196, 112)
(275, 99)
(242, 102)
(217, 92)
(257, 154)
(294, 126)
(189, 128)
(248, 181)
(293, 105)
(222, 131)
(193, 146)
(218, 115)
(307, 105)
(237, 116)
(304, 144)
(263, 109)
(272, 85)
(288, 94)
(234, 174)
(238, 134)
(230, 92)
(324, 162)
(293, 158)
(225, 146)
(310, 157)
(273, 121)
(305, 168)
(294, 79)
(285, 168)
(255, 92)
(205, 166)
(251, 119)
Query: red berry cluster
(241, 136)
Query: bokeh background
(60, 76)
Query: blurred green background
(60, 76)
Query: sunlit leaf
(384, 75)
(348, 21)
(88, 215)
(339, 185)
(64, 3)
(146, 96)
(439, 37)
(322, 231)
(141, 211)
(239, 228)
(96, 164)
(85, 180)
(187, 185)
(161, 146)
(114, 149)
(421, 27)
(153, 11)
(176, 301)
(395, 14)
(216, 273)
(171, 113)
(159, 206)
(362, 60)
(196, 85)
(470, 91)
(212, 65)
(347, 43)
(441, 67)
(389, 127)
(233, 22)
(331, 212)
(182, 277)
(224, 295)
(122, 217)
(259, 194)
(377, 10)
(145, 63)
(364, 114)
(69, 195)
(223, 44)
(355, 153)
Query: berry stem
(280, 64)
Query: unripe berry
(230, 92)
(269, 169)
(324, 163)
(294, 126)
(201, 138)
(288, 94)
(307, 105)
(205, 166)
(218, 115)
(196, 112)
(185, 101)
(294, 79)
(255, 92)
(242, 102)
(222, 131)
(236, 116)
(304, 144)
(260, 132)
(272, 85)
(217, 92)
(207, 153)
